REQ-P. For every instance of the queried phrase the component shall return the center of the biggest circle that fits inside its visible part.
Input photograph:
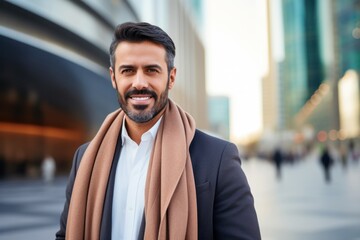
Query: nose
(140, 81)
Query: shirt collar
(150, 134)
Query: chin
(140, 107)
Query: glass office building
(334, 106)
(302, 68)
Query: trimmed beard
(140, 114)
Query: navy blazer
(225, 204)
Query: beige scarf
(170, 196)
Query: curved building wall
(55, 88)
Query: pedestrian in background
(353, 152)
(48, 169)
(326, 162)
(278, 160)
(149, 173)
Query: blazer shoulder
(82, 148)
(79, 154)
(212, 148)
(209, 140)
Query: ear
(172, 78)
(112, 76)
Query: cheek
(122, 88)
(118, 84)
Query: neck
(136, 130)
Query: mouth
(142, 97)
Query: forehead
(139, 51)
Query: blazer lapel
(105, 229)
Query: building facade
(55, 88)
(318, 79)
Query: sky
(236, 59)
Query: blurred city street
(278, 78)
(300, 205)
(30, 209)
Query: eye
(152, 70)
(127, 71)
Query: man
(149, 173)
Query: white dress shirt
(129, 188)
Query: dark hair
(139, 32)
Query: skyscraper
(302, 69)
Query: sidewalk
(301, 205)
(30, 209)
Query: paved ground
(299, 206)
(30, 209)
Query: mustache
(141, 92)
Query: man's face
(141, 78)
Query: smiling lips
(140, 99)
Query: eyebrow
(125, 67)
(153, 66)
(146, 66)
